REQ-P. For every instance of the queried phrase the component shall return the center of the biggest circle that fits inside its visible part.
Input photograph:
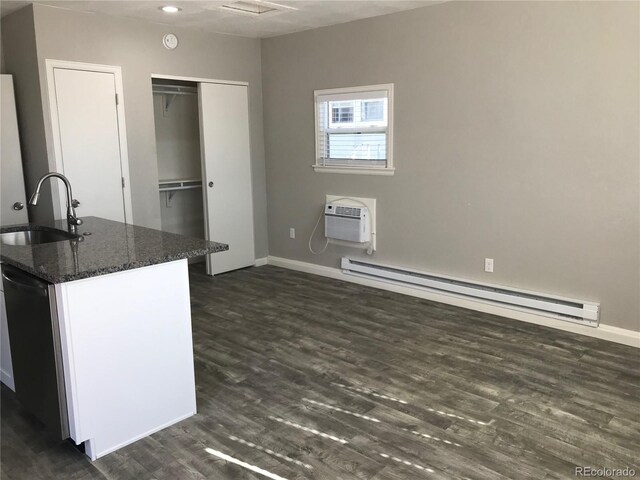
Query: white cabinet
(127, 354)
(6, 369)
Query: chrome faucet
(72, 218)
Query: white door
(89, 141)
(226, 174)
(13, 201)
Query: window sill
(354, 170)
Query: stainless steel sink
(35, 237)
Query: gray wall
(20, 60)
(137, 47)
(2, 67)
(178, 148)
(516, 138)
(177, 137)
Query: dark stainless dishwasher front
(34, 337)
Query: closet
(204, 166)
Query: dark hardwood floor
(310, 378)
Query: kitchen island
(121, 316)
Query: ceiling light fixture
(255, 7)
(170, 9)
(248, 7)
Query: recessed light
(170, 9)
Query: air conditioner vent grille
(348, 211)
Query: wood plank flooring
(310, 378)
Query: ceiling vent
(255, 8)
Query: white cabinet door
(89, 141)
(226, 164)
(11, 178)
(6, 368)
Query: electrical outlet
(292, 233)
(488, 265)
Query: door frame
(59, 207)
(197, 79)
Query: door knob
(210, 184)
(18, 206)
(75, 203)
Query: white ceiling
(207, 15)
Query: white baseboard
(604, 332)
(7, 379)
(261, 261)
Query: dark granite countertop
(104, 246)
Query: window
(373, 110)
(341, 113)
(354, 130)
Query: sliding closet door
(226, 168)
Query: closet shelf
(180, 184)
(174, 90)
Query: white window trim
(362, 170)
(355, 170)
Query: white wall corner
(261, 261)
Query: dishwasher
(34, 337)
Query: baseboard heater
(576, 311)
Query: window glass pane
(373, 111)
(342, 115)
(358, 113)
(357, 146)
(342, 112)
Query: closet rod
(174, 90)
(170, 92)
(162, 92)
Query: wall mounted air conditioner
(347, 223)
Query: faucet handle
(75, 203)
